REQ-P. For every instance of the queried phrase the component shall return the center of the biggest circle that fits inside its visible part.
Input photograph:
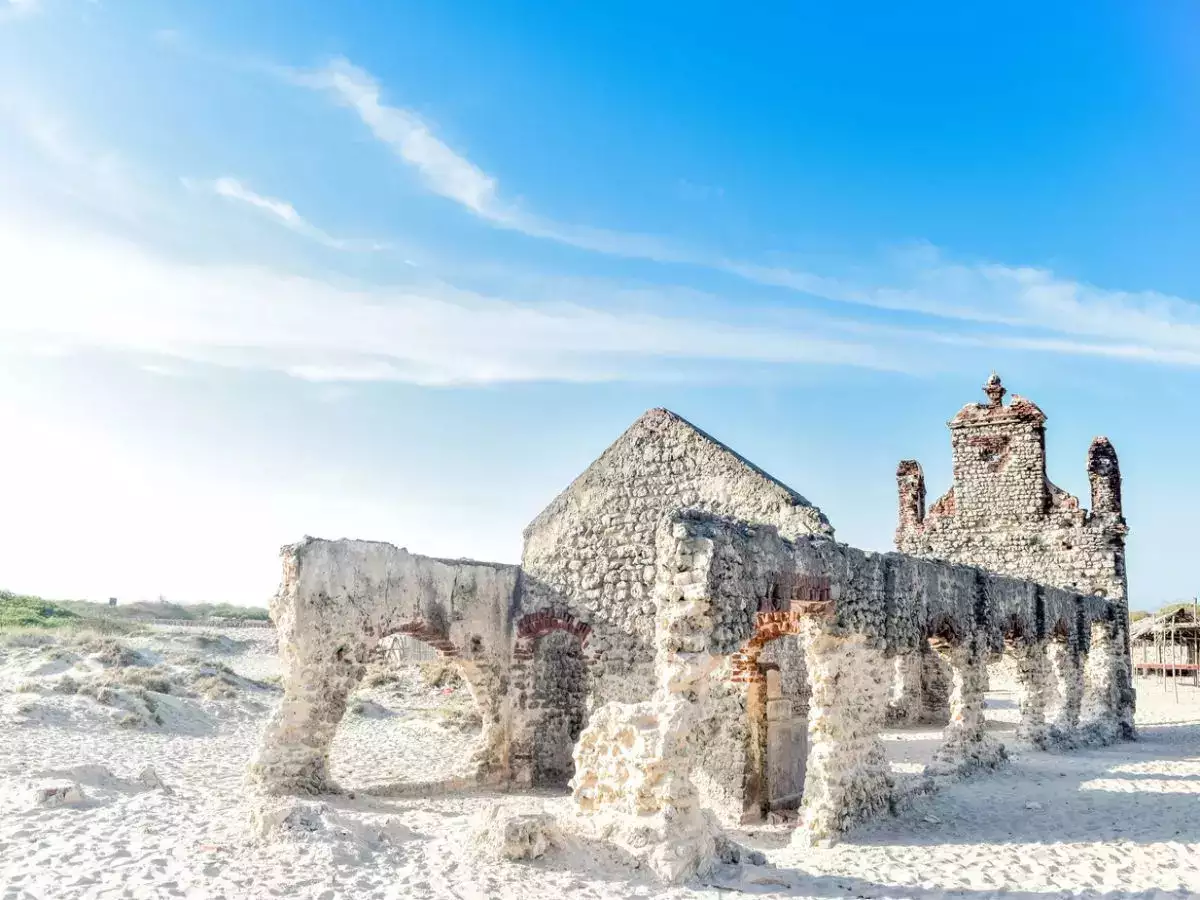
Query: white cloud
(279, 210)
(919, 281)
(1144, 325)
(443, 171)
(83, 291)
(451, 175)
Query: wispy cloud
(93, 292)
(440, 334)
(73, 168)
(919, 282)
(443, 171)
(279, 210)
(450, 174)
(922, 281)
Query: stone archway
(772, 666)
(336, 602)
(411, 724)
(549, 689)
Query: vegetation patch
(23, 611)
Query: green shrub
(21, 611)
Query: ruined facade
(686, 646)
(1003, 513)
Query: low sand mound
(146, 687)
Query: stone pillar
(935, 688)
(1032, 674)
(907, 700)
(486, 683)
(293, 756)
(1126, 694)
(521, 723)
(1100, 716)
(966, 744)
(633, 761)
(1067, 671)
(847, 778)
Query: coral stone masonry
(685, 647)
(1004, 514)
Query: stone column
(1067, 671)
(847, 778)
(521, 717)
(920, 689)
(485, 681)
(633, 761)
(907, 700)
(966, 744)
(1100, 714)
(1127, 697)
(317, 682)
(1032, 674)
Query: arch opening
(412, 716)
(549, 677)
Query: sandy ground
(1113, 824)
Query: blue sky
(401, 270)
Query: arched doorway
(772, 667)
(549, 681)
(559, 697)
(784, 715)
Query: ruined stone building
(686, 646)
(1003, 513)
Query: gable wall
(592, 552)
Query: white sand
(1115, 824)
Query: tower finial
(994, 389)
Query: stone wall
(592, 551)
(557, 703)
(727, 590)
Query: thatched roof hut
(1167, 641)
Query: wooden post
(1175, 656)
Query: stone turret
(911, 482)
(999, 455)
(1002, 512)
(1104, 473)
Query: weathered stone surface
(336, 601)
(966, 745)
(1004, 515)
(681, 625)
(503, 834)
(592, 550)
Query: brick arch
(792, 597)
(538, 624)
(768, 626)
